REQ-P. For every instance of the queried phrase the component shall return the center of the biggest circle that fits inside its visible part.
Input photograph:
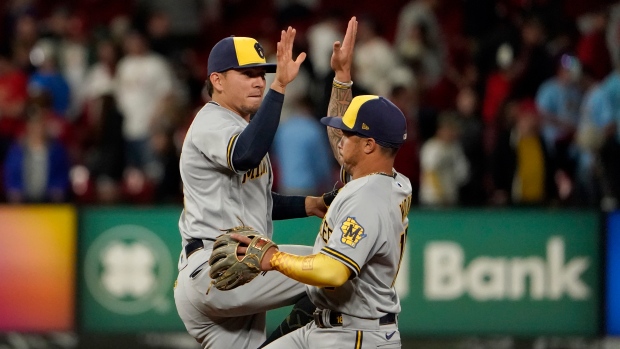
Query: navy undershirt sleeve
(256, 139)
(288, 206)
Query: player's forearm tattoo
(338, 103)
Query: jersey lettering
(402, 242)
(352, 232)
(325, 231)
(405, 206)
(256, 172)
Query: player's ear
(216, 81)
(370, 145)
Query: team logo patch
(259, 49)
(352, 232)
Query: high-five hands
(342, 55)
(287, 68)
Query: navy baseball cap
(372, 117)
(237, 52)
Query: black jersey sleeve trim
(341, 257)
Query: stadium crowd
(509, 102)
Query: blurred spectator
(145, 99)
(610, 153)
(168, 185)
(407, 159)
(13, 96)
(533, 62)
(594, 125)
(100, 75)
(558, 101)
(74, 61)
(418, 29)
(504, 38)
(58, 127)
(498, 84)
(444, 167)
(610, 150)
(613, 33)
(10, 11)
(36, 166)
(419, 53)
(472, 192)
(374, 58)
(160, 37)
(183, 17)
(523, 172)
(143, 81)
(592, 49)
(137, 188)
(321, 37)
(48, 78)
(302, 153)
(105, 155)
(25, 36)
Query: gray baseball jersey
(216, 195)
(365, 228)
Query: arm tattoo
(338, 103)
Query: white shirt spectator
(444, 168)
(321, 37)
(142, 81)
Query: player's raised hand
(288, 68)
(342, 55)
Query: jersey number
(403, 240)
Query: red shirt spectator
(13, 95)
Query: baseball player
(227, 179)
(358, 250)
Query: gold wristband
(342, 85)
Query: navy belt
(335, 319)
(194, 245)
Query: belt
(335, 319)
(194, 245)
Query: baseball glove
(227, 270)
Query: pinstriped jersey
(217, 196)
(365, 228)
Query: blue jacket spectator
(303, 154)
(36, 169)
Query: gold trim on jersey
(343, 176)
(348, 261)
(231, 142)
(359, 338)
